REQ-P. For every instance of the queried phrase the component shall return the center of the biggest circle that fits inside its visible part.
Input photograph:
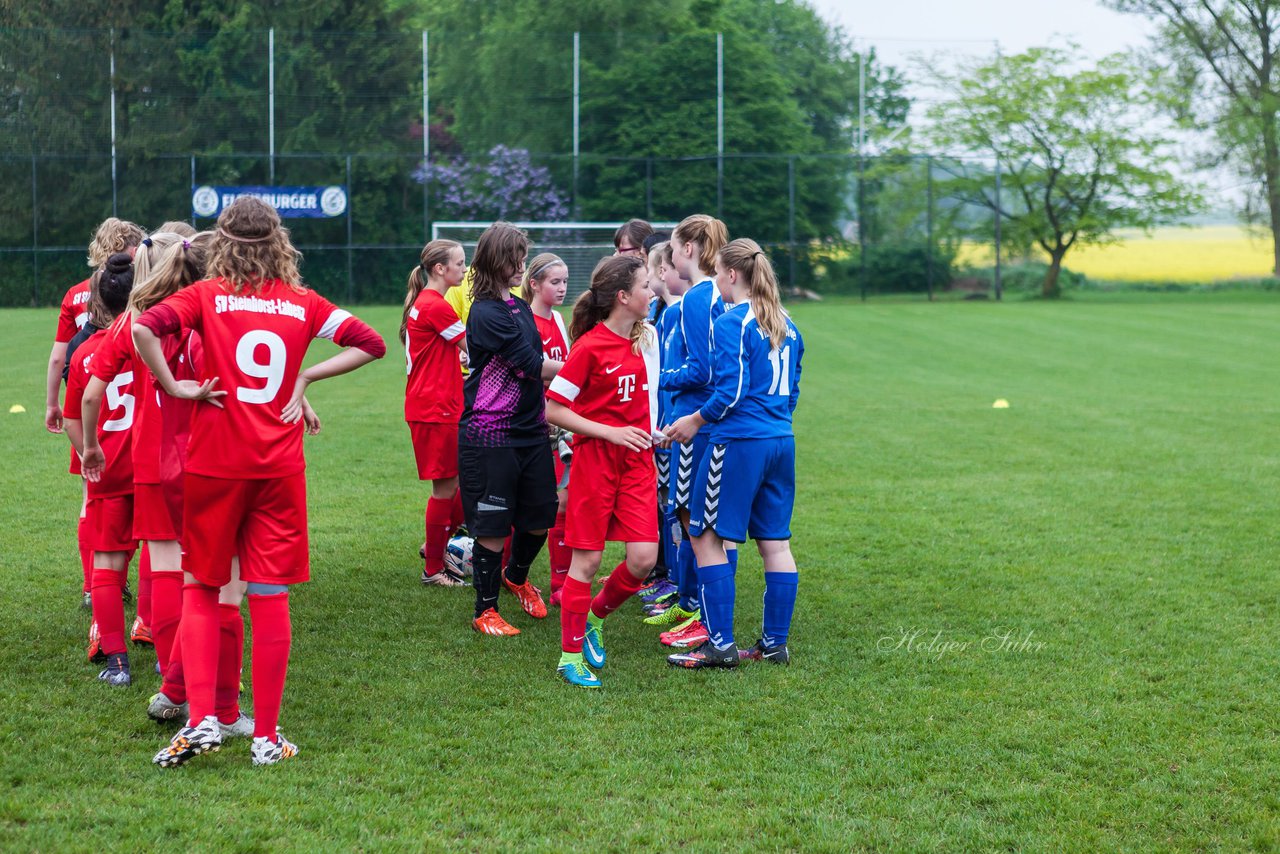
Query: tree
(1079, 156)
(1225, 81)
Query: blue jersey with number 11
(755, 386)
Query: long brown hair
(250, 247)
(499, 254)
(113, 235)
(182, 264)
(746, 256)
(708, 232)
(612, 276)
(435, 252)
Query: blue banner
(290, 202)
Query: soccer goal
(580, 244)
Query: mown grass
(1116, 524)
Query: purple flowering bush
(504, 184)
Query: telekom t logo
(626, 385)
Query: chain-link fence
(102, 123)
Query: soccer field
(1047, 627)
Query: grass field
(1199, 254)
(1048, 627)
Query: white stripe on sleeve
(565, 389)
(453, 331)
(331, 325)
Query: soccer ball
(458, 555)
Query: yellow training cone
(1000, 404)
(17, 408)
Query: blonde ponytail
(746, 257)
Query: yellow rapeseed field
(1197, 254)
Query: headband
(238, 239)
(538, 271)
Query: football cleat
(530, 597)
(140, 633)
(161, 708)
(86, 600)
(776, 654)
(577, 673)
(705, 656)
(491, 623)
(190, 741)
(116, 672)
(690, 636)
(95, 653)
(660, 587)
(554, 599)
(268, 752)
(673, 616)
(241, 727)
(444, 578)
(593, 644)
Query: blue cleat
(576, 672)
(593, 643)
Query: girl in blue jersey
(695, 243)
(746, 485)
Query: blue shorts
(686, 460)
(746, 487)
(662, 460)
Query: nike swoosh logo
(546, 341)
(611, 370)
(575, 640)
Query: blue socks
(718, 590)
(688, 576)
(779, 603)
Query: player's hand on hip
(310, 418)
(630, 437)
(193, 390)
(292, 411)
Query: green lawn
(1116, 525)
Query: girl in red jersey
(113, 235)
(546, 281)
(104, 446)
(245, 482)
(434, 339)
(606, 394)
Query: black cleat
(705, 655)
(776, 654)
(117, 671)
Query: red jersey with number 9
(115, 415)
(254, 343)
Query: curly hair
(112, 236)
(250, 247)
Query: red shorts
(157, 512)
(263, 521)
(435, 447)
(610, 496)
(111, 524)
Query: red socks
(575, 601)
(230, 657)
(272, 634)
(86, 552)
(199, 632)
(144, 585)
(108, 610)
(174, 685)
(166, 610)
(456, 517)
(620, 587)
(439, 511)
(558, 554)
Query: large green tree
(1079, 155)
(1222, 56)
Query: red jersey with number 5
(254, 343)
(115, 416)
(605, 380)
(433, 390)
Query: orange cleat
(140, 633)
(94, 652)
(530, 597)
(491, 623)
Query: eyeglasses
(623, 250)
